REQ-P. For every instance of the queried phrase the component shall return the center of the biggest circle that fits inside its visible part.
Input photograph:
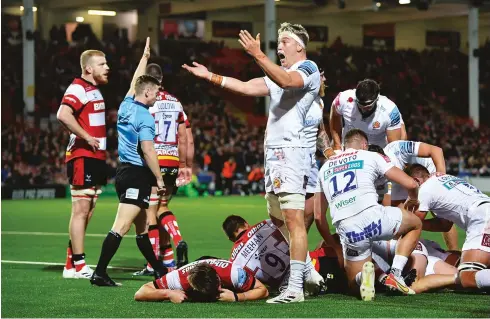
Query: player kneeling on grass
(347, 181)
(204, 280)
(454, 200)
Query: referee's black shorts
(133, 184)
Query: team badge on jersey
(277, 182)
(376, 124)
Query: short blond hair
(296, 29)
(87, 55)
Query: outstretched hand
(198, 70)
(146, 52)
(251, 45)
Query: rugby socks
(359, 278)
(167, 255)
(109, 247)
(79, 261)
(144, 246)
(482, 279)
(69, 257)
(169, 223)
(308, 264)
(154, 237)
(398, 264)
(296, 276)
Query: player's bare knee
(467, 279)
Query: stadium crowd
(229, 151)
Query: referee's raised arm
(141, 68)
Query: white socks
(297, 270)
(398, 264)
(482, 279)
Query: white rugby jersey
(449, 197)
(169, 114)
(288, 107)
(347, 180)
(313, 119)
(262, 250)
(386, 117)
(402, 153)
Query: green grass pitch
(38, 290)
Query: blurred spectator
(228, 172)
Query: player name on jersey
(262, 250)
(169, 114)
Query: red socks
(169, 223)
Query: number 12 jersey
(347, 180)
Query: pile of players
(366, 160)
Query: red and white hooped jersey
(232, 276)
(169, 114)
(262, 250)
(386, 117)
(89, 109)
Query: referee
(137, 172)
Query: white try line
(51, 234)
(24, 262)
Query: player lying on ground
(171, 147)
(262, 249)
(403, 153)
(454, 200)
(205, 280)
(82, 112)
(292, 87)
(431, 272)
(136, 173)
(347, 181)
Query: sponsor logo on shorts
(485, 241)
(88, 178)
(132, 193)
(352, 252)
(369, 231)
(345, 202)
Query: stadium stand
(429, 87)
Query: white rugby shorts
(478, 227)
(357, 233)
(287, 169)
(313, 176)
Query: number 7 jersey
(169, 114)
(347, 180)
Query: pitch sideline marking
(51, 234)
(24, 262)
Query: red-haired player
(82, 112)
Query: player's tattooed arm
(335, 124)
(436, 225)
(323, 141)
(140, 70)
